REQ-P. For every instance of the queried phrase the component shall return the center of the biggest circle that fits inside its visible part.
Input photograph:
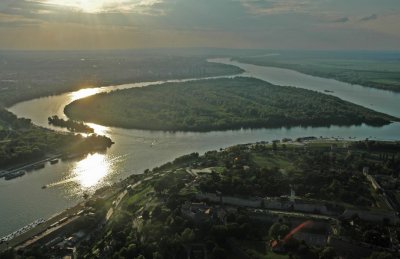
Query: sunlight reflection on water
(90, 171)
(88, 174)
(84, 93)
(98, 129)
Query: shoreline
(305, 133)
(112, 196)
(57, 220)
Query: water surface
(22, 200)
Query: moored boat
(3, 173)
(38, 166)
(14, 175)
(54, 161)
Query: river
(23, 200)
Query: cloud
(341, 20)
(278, 6)
(100, 6)
(14, 21)
(369, 18)
(221, 23)
(78, 6)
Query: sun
(99, 6)
(89, 6)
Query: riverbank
(369, 71)
(40, 164)
(55, 222)
(387, 102)
(22, 141)
(190, 190)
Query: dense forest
(28, 75)
(220, 104)
(22, 142)
(71, 125)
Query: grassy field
(276, 161)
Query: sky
(262, 24)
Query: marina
(22, 170)
(21, 231)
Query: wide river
(23, 200)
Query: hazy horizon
(231, 24)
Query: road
(295, 214)
(121, 196)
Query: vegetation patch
(220, 104)
(22, 142)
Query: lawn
(271, 161)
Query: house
(314, 234)
(198, 212)
(282, 203)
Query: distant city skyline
(266, 24)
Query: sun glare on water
(84, 93)
(92, 170)
(99, 129)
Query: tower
(292, 194)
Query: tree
(8, 254)
(157, 255)
(219, 252)
(274, 146)
(145, 215)
(278, 231)
(156, 212)
(328, 253)
(381, 255)
(131, 251)
(188, 235)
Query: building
(312, 239)
(197, 212)
(372, 216)
(282, 203)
